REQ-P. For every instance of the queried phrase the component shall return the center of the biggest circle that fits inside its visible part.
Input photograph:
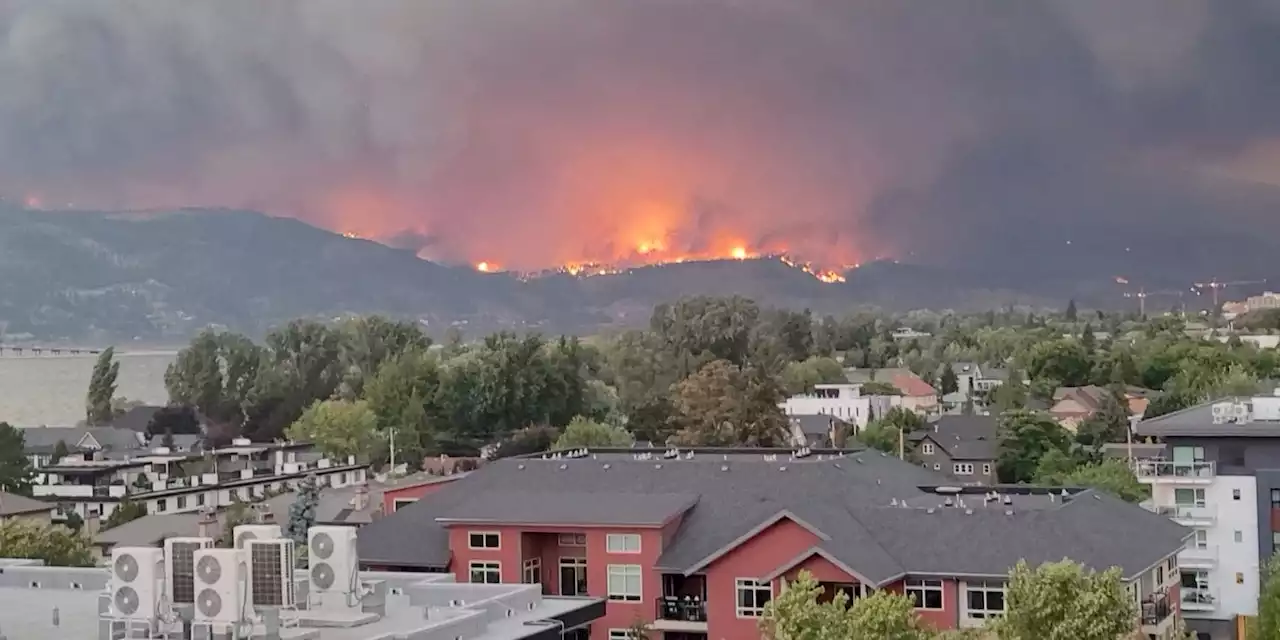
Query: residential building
(14, 507)
(90, 483)
(1268, 300)
(917, 395)
(41, 442)
(697, 542)
(1073, 405)
(967, 376)
(59, 602)
(408, 490)
(820, 430)
(1220, 476)
(989, 378)
(963, 447)
(844, 401)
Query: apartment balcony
(1198, 599)
(78, 491)
(1198, 557)
(1157, 611)
(1186, 515)
(1169, 472)
(680, 614)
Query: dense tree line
(706, 371)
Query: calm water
(49, 390)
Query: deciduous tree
(338, 428)
(1024, 438)
(1063, 601)
(722, 405)
(126, 511)
(57, 546)
(801, 377)
(1267, 623)
(15, 467)
(102, 388)
(582, 432)
(796, 614)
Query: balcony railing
(1156, 608)
(1170, 469)
(1198, 556)
(682, 609)
(1183, 511)
(1198, 599)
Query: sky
(534, 133)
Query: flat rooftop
(55, 602)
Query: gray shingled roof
(12, 504)
(964, 437)
(572, 507)
(854, 502)
(815, 424)
(44, 439)
(1198, 421)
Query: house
(967, 376)
(1220, 475)
(39, 443)
(695, 543)
(917, 395)
(406, 491)
(964, 447)
(819, 430)
(844, 401)
(989, 378)
(1073, 405)
(14, 507)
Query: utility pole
(392, 433)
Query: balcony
(1166, 471)
(1157, 613)
(1186, 514)
(687, 609)
(1198, 557)
(1198, 599)
(683, 608)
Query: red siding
(949, 616)
(758, 557)
(412, 492)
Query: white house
(844, 401)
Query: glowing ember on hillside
(485, 267)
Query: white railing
(1198, 599)
(1169, 469)
(1198, 555)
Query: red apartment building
(697, 542)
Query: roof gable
(751, 533)
(811, 553)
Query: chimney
(208, 518)
(362, 496)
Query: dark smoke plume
(534, 132)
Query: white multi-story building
(844, 401)
(1220, 476)
(89, 484)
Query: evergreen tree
(15, 467)
(1087, 339)
(1072, 314)
(59, 452)
(949, 382)
(102, 388)
(302, 513)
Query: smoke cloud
(534, 133)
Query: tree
(15, 467)
(1087, 339)
(1024, 438)
(1267, 623)
(174, 419)
(796, 614)
(368, 342)
(398, 394)
(948, 382)
(877, 388)
(60, 451)
(1110, 423)
(1064, 360)
(1072, 314)
(1010, 395)
(237, 514)
(338, 428)
(801, 377)
(1063, 601)
(57, 546)
(302, 513)
(887, 433)
(1112, 476)
(102, 388)
(126, 511)
(166, 441)
(582, 432)
(639, 630)
(722, 405)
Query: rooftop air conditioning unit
(247, 532)
(331, 556)
(135, 581)
(180, 568)
(221, 588)
(271, 573)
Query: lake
(49, 390)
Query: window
(625, 582)
(927, 448)
(399, 503)
(182, 502)
(199, 499)
(937, 467)
(486, 573)
(1189, 497)
(621, 634)
(1235, 494)
(964, 469)
(1239, 535)
(927, 594)
(532, 571)
(161, 505)
(1275, 542)
(623, 543)
(753, 595)
(1201, 539)
(984, 600)
(1172, 565)
(986, 469)
(1160, 575)
(484, 540)
(573, 576)
(1275, 498)
(573, 539)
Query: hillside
(161, 277)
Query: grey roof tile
(964, 437)
(571, 507)
(12, 504)
(854, 501)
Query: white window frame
(574, 563)
(621, 634)
(1199, 497)
(532, 571)
(625, 573)
(986, 468)
(487, 568)
(985, 588)
(400, 503)
(927, 448)
(572, 539)
(925, 587)
(621, 543)
(484, 540)
(962, 468)
(754, 587)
